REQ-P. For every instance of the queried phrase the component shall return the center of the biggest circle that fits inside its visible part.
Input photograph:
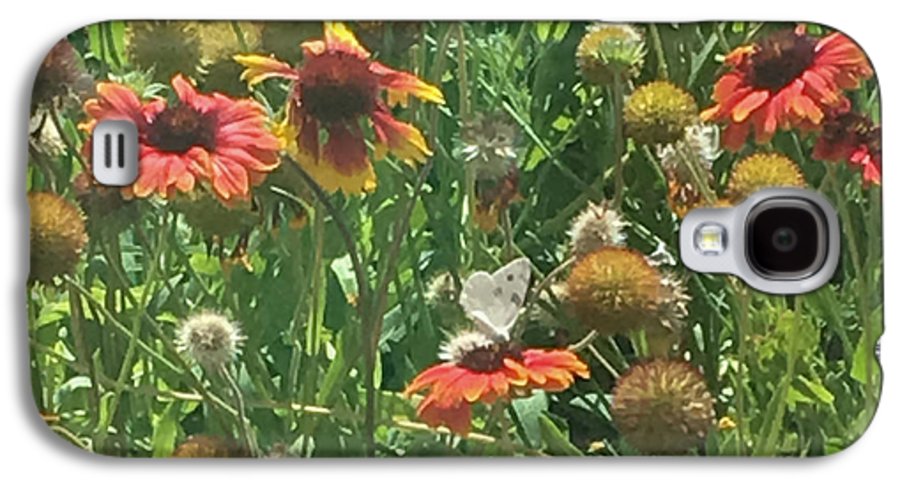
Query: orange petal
(260, 68)
(401, 84)
(402, 139)
(748, 105)
(338, 36)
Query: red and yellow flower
(201, 137)
(335, 88)
(788, 80)
(481, 369)
(852, 138)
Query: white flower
(211, 339)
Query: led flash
(709, 239)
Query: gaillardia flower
(852, 138)
(658, 113)
(608, 51)
(615, 290)
(663, 407)
(788, 80)
(477, 368)
(335, 88)
(57, 236)
(759, 171)
(595, 227)
(209, 338)
(206, 137)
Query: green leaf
(165, 430)
(530, 410)
(205, 264)
(817, 389)
(542, 30)
(863, 362)
(557, 442)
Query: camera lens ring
(786, 238)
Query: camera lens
(786, 238)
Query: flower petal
(260, 68)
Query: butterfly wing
(493, 301)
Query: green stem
(662, 66)
(618, 98)
(862, 281)
(313, 341)
(244, 428)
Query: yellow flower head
(760, 171)
(658, 113)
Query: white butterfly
(493, 301)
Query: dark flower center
(178, 128)
(490, 357)
(780, 59)
(853, 129)
(337, 87)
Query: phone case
(445, 238)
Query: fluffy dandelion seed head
(760, 171)
(489, 145)
(608, 51)
(658, 113)
(614, 290)
(203, 211)
(165, 47)
(211, 339)
(663, 407)
(595, 227)
(57, 236)
(477, 352)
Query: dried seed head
(608, 51)
(57, 236)
(595, 227)
(663, 407)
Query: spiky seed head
(614, 290)
(210, 338)
(663, 407)
(57, 236)
(658, 113)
